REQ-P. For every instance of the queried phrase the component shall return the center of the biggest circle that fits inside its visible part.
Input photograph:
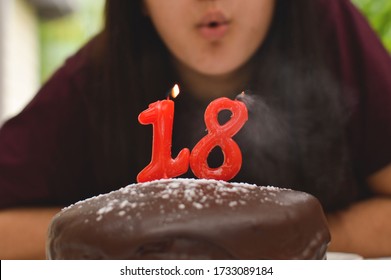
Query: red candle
(161, 115)
(220, 135)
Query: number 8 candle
(161, 115)
(220, 135)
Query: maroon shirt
(43, 150)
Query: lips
(213, 26)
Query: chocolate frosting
(191, 219)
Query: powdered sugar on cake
(184, 193)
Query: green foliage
(378, 13)
(62, 37)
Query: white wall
(19, 56)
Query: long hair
(296, 138)
(131, 69)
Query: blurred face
(212, 37)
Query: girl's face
(212, 37)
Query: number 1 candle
(161, 115)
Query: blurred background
(36, 36)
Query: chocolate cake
(191, 219)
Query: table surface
(349, 256)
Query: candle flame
(175, 91)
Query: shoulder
(363, 66)
(361, 60)
(336, 7)
(67, 87)
(61, 99)
(343, 18)
(78, 69)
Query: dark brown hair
(295, 136)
